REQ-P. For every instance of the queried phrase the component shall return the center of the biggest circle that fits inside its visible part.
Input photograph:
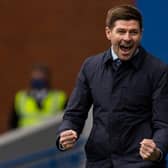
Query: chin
(125, 58)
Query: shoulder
(91, 66)
(156, 61)
(21, 92)
(20, 95)
(156, 64)
(57, 92)
(157, 70)
(91, 62)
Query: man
(39, 102)
(128, 89)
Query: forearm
(161, 140)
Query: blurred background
(60, 34)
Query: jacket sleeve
(79, 104)
(160, 113)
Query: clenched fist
(149, 150)
(68, 139)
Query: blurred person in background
(129, 92)
(39, 102)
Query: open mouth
(126, 48)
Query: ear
(142, 33)
(108, 32)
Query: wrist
(159, 154)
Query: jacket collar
(107, 56)
(136, 60)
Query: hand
(68, 139)
(149, 151)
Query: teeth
(126, 45)
(126, 48)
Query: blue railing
(49, 158)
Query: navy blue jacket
(129, 104)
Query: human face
(125, 37)
(39, 80)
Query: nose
(127, 37)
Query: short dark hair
(123, 12)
